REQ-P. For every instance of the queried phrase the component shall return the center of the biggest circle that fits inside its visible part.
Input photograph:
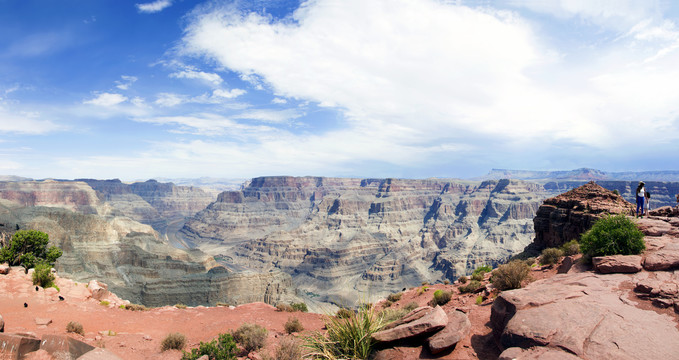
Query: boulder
(42, 321)
(411, 316)
(16, 347)
(434, 321)
(99, 354)
(539, 353)
(39, 355)
(99, 290)
(565, 265)
(665, 258)
(627, 264)
(54, 344)
(458, 328)
(4, 269)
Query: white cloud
(126, 82)
(106, 99)
(21, 122)
(169, 99)
(228, 94)
(270, 116)
(279, 101)
(446, 74)
(154, 7)
(210, 78)
(211, 124)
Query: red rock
(626, 264)
(16, 347)
(411, 316)
(565, 265)
(539, 353)
(99, 290)
(42, 321)
(99, 354)
(254, 356)
(4, 269)
(435, 320)
(54, 344)
(38, 355)
(458, 328)
(2, 324)
(665, 258)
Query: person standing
(641, 190)
(648, 201)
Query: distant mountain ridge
(585, 174)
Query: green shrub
(293, 325)
(422, 290)
(251, 336)
(28, 248)
(441, 297)
(612, 235)
(616, 192)
(550, 256)
(42, 275)
(395, 297)
(477, 276)
(75, 327)
(284, 307)
(135, 307)
(462, 279)
(349, 338)
(472, 287)
(510, 275)
(106, 303)
(482, 269)
(180, 306)
(289, 349)
(173, 341)
(344, 313)
(299, 307)
(570, 248)
(222, 348)
(530, 261)
(479, 300)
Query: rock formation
(338, 237)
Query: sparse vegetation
(284, 307)
(616, 192)
(173, 341)
(477, 276)
(75, 327)
(180, 306)
(222, 348)
(293, 325)
(343, 313)
(530, 261)
(571, 248)
(391, 315)
(441, 297)
(479, 300)
(482, 269)
(550, 256)
(472, 287)
(29, 248)
(289, 348)
(446, 282)
(221, 304)
(106, 303)
(251, 336)
(299, 307)
(42, 275)
(462, 279)
(135, 307)
(411, 306)
(612, 235)
(425, 283)
(387, 303)
(510, 275)
(348, 338)
(395, 297)
(422, 290)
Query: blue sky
(378, 88)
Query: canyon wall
(346, 238)
(136, 262)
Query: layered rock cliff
(136, 262)
(342, 237)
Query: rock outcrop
(566, 216)
(340, 237)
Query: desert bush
(28, 248)
(106, 303)
(180, 306)
(75, 327)
(391, 315)
(251, 336)
(422, 290)
(395, 297)
(479, 300)
(299, 307)
(510, 275)
(293, 325)
(530, 261)
(462, 279)
(616, 192)
(612, 235)
(550, 256)
(477, 276)
(441, 297)
(42, 276)
(570, 248)
(289, 348)
(425, 283)
(349, 338)
(222, 348)
(482, 269)
(219, 303)
(446, 282)
(471, 287)
(411, 306)
(136, 307)
(344, 313)
(284, 307)
(173, 341)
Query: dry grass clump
(394, 297)
(293, 325)
(462, 279)
(441, 297)
(510, 275)
(550, 256)
(137, 307)
(284, 307)
(289, 348)
(472, 287)
(571, 248)
(173, 341)
(411, 306)
(180, 306)
(75, 327)
(344, 313)
(251, 336)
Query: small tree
(29, 247)
(612, 235)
